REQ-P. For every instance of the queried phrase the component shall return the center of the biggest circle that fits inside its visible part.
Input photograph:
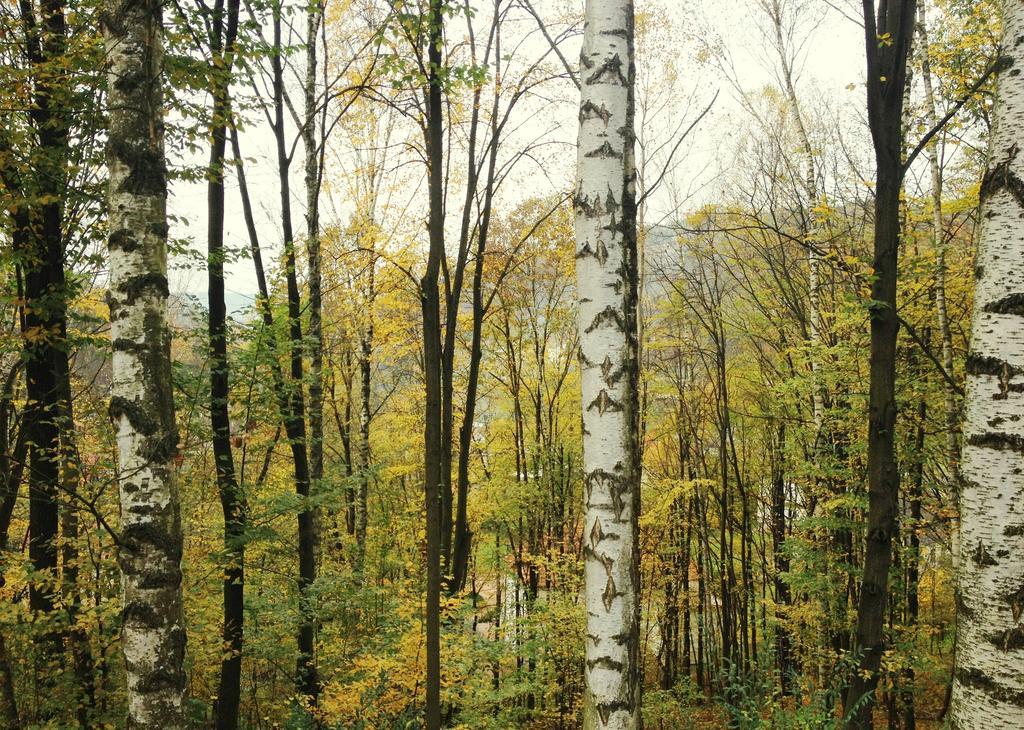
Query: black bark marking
(609, 594)
(147, 174)
(136, 286)
(1009, 639)
(142, 614)
(123, 240)
(590, 110)
(609, 72)
(615, 225)
(161, 680)
(601, 253)
(1016, 601)
(596, 533)
(137, 417)
(1014, 531)
(123, 344)
(606, 662)
(603, 479)
(963, 610)
(979, 680)
(609, 373)
(605, 151)
(1010, 304)
(618, 503)
(589, 210)
(997, 368)
(982, 557)
(604, 403)
(1002, 177)
(608, 314)
(998, 441)
(605, 709)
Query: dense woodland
(511, 364)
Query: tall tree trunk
(939, 244)
(312, 149)
(365, 416)
(914, 560)
(431, 306)
(606, 275)
(45, 314)
(77, 636)
(463, 537)
(12, 465)
(988, 684)
(306, 678)
(142, 405)
(886, 72)
(223, 32)
(783, 642)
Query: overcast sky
(830, 65)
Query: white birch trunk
(814, 224)
(606, 270)
(988, 685)
(141, 406)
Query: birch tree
(606, 272)
(988, 683)
(141, 406)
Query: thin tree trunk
(463, 537)
(606, 274)
(77, 636)
(142, 405)
(222, 46)
(312, 177)
(365, 416)
(886, 70)
(12, 463)
(306, 679)
(431, 306)
(939, 244)
(783, 642)
(988, 683)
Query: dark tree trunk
(45, 316)
(12, 461)
(913, 562)
(434, 461)
(783, 642)
(365, 416)
(886, 71)
(223, 32)
(78, 639)
(295, 425)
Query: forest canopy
(511, 364)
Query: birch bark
(142, 406)
(606, 271)
(939, 242)
(988, 684)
